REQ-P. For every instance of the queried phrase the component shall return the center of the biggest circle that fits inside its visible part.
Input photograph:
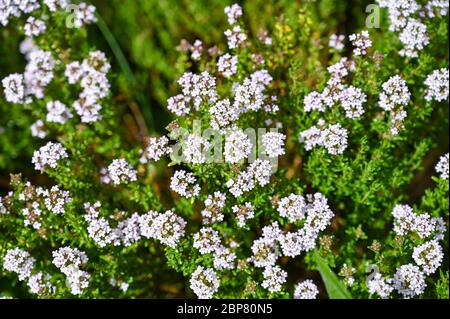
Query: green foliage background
(363, 185)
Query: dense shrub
(281, 149)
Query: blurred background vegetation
(141, 36)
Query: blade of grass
(126, 69)
(335, 288)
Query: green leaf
(335, 288)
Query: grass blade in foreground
(335, 288)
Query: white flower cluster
(167, 227)
(20, 88)
(197, 89)
(437, 85)
(394, 97)
(292, 207)
(99, 228)
(406, 220)
(155, 148)
(380, 286)
(236, 37)
(333, 137)
(37, 129)
(264, 250)
(257, 173)
(39, 283)
(84, 14)
(407, 17)
(435, 8)
(414, 38)
(409, 281)
(249, 96)
(223, 114)
(69, 261)
(243, 213)
(442, 166)
(350, 98)
(20, 262)
(204, 282)
(428, 256)
(207, 240)
(227, 65)
(48, 156)
(361, 42)
(32, 216)
(214, 205)
(337, 42)
(264, 38)
(273, 143)
(184, 184)
(54, 5)
(306, 290)
(238, 146)
(195, 149)
(121, 172)
(91, 74)
(317, 216)
(10, 9)
(38, 73)
(14, 88)
(196, 50)
(233, 13)
(38, 199)
(223, 258)
(128, 231)
(55, 200)
(58, 112)
(274, 278)
(34, 27)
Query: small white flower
(437, 84)
(243, 213)
(380, 286)
(227, 64)
(207, 240)
(337, 42)
(274, 278)
(273, 143)
(237, 146)
(233, 13)
(292, 207)
(236, 37)
(20, 262)
(442, 166)
(428, 256)
(58, 112)
(361, 42)
(34, 27)
(121, 172)
(184, 184)
(306, 290)
(204, 282)
(37, 129)
(409, 281)
(48, 156)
